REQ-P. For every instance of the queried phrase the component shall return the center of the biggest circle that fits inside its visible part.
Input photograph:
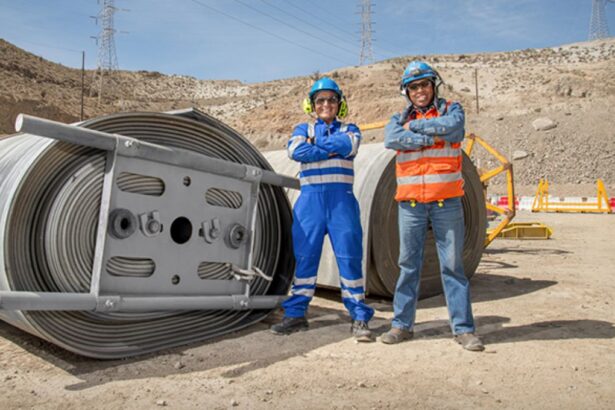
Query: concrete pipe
(374, 188)
(50, 196)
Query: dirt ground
(544, 309)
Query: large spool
(49, 201)
(374, 188)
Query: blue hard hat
(417, 70)
(325, 83)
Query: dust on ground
(544, 309)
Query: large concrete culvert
(374, 187)
(50, 197)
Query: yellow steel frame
(505, 166)
(526, 230)
(542, 204)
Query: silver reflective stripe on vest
(429, 179)
(327, 179)
(355, 141)
(447, 151)
(295, 141)
(310, 130)
(328, 163)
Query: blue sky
(261, 40)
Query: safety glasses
(418, 85)
(322, 100)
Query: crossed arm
(425, 132)
(344, 144)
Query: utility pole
(82, 82)
(598, 25)
(107, 57)
(367, 54)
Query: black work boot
(360, 331)
(289, 325)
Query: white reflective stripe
(343, 127)
(303, 292)
(354, 141)
(305, 281)
(295, 142)
(352, 283)
(356, 296)
(328, 163)
(326, 179)
(311, 131)
(428, 153)
(429, 179)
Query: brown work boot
(396, 335)
(470, 341)
(360, 331)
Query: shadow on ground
(234, 354)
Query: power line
(321, 29)
(268, 32)
(326, 40)
(336, 26)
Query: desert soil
(544, 308)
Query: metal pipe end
(19, 122)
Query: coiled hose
(49, 202)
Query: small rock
(361, 384)
(161, 403)
(543, 124)
(269, 392)
(179, 365)
(500, 118)
(519, 154)
(234, 403)
(479, 383)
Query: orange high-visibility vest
(430, 173)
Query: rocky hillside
(572, 87)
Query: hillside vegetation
(572, 85)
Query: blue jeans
(448, 228)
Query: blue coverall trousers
(336, 213)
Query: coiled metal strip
(374, 187)
(50, 231)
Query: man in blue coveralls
(326, 149)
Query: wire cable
(268, 32)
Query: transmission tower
(107, 58)
(598, 26)
(367, 54)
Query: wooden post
(82, 82)
(476, 88)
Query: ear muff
(343, 110)
(306, 105)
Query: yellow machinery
(542, 203)
(505, 166)
(525, 230)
